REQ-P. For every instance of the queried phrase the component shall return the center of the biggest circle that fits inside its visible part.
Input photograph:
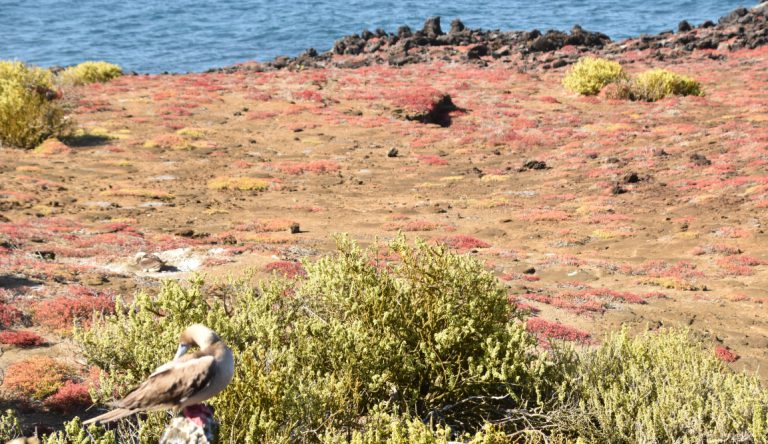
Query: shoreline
(532, 48)
(741, 28)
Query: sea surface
(194, 35)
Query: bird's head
(196, 335)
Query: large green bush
(666, 388)
(29, 111)
(431, 336)
(422, 349)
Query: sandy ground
(647, 214)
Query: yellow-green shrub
(667, 387)
(29, 111)
(655, 84)
(420, 350)
(90, 72)
(10, 427)
(589, 75)
(432, 336)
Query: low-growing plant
(90, 72)
(656, 84)
(238, 183)
(285, 268)
(589, 75)
(10, 427)
(35, 378)
(21, 338)
(9, 315)
(70, 397)
(29, 109)
(62, 312)
(667, 387)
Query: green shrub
(90, 72)
(10, 428)
(589, 75)
(655, 84)
(75, 433)
(29, 111)
(424, 349)
(667, 387)
(432, 336)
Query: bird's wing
(171, 384)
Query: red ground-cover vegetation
(77, 305)
(554, 330)
(286, 268)
(21, 338)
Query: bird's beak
(181, 350)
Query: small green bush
(589, 75)
(90, 72)
(29, 111)
(655, 84)
(75, 433)
(10, 428)
(666, 387)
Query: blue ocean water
(194, 35)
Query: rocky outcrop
(742, 28)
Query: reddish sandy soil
(679, 243)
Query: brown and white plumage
(148, 262)
(187, 380)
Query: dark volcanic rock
(700, 160)
(742, 28)
(477, 51)
(438, 113)
(684, 26)
(534, 165)
(432, 27)
(456, 27)
(734, 16)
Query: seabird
(187, 380)
(149, 262)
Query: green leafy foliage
(656, 84)
(431, 336)
(666, 387)
(75, 433)
(589, 75)
(424, 348)
(90, 72)
(10, 427)
(29, 109)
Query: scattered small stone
(700, 159)
(631, 178)
(46, 255)
(618, 189)
(392, 152)
(229, 240)
(295, 228)
(684, 26)
(530, 270)
(186, 233)
(534, 165)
